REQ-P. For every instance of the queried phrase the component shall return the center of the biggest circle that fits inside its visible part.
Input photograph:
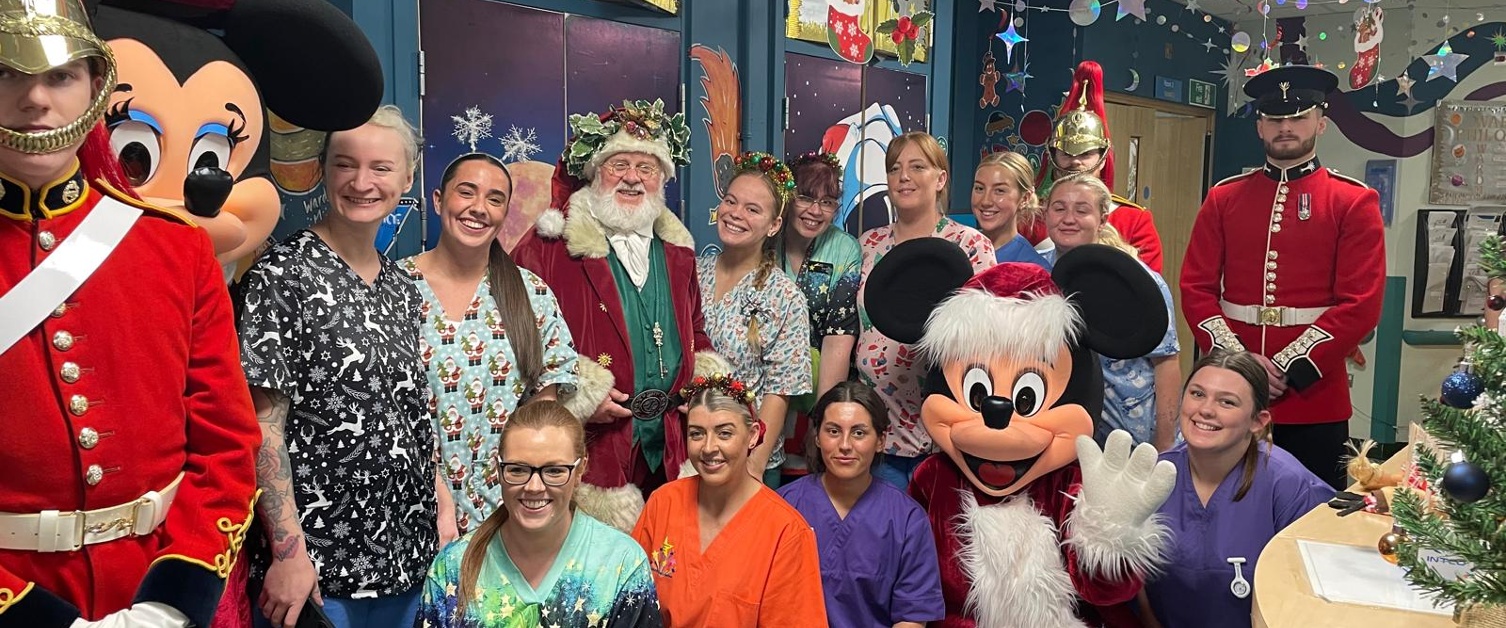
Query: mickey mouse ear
(1121, 304)
(909, 282)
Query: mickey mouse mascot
(1036, 527)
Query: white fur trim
(1010, 554)
(623, 142)
(1113, 549)
(617, 507)
(595, 381)
(687, 470)
(975, 324)
(585, 237)
(708, 363)
(551, 223)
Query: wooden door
(1159, 157)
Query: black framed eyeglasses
(518, 474)
(828, 205)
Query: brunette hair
(536, 415)
(768, 259)
(1022, 177)
(930, 149)
(1249, 368)
(507, 287)
(816, 178)
(846, 392)
(1107, 234)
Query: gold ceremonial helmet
(39, 35)
(1079, 130)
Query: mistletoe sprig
(904, 31)
(640, 119)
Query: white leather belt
(1279, 316)
(57, 531)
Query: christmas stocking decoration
(844, 31)
(1368, 33)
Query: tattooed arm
(291, 579)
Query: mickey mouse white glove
(1112, 526)
(142, 615)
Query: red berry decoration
(898, 36)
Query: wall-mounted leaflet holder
(1446, 278)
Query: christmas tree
(1461, 514)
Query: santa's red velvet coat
(1312, 240)
(136, 378)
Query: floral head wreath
(728, 386)
(643, 120)
(816, 156)
(772, 169)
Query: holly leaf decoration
(906, 51)
(922, 18)
(887, 27)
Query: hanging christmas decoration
(1499, 40)
(1010, 37)
(1404, 84)
(1369, 30)
(905, 31)
(988, 5)
(844, 30)
(1390, 542)
(1240, 42)
(1465, 482)
(1015, 81)
(1084, 12)
(1461, 387)
(1496, 302)
(1131, 7)
(989, 79)
(1445, 63)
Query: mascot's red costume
(1035, 525)
(190, 122)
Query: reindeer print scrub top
(358, 431)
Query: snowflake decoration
(518, 145)
(472, 127)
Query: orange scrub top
(761, 570)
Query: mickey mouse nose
(997, 411)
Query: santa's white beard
(618, 218)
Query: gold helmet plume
(39, 35)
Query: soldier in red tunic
(128, 453)
(1080, 143)
(623, 269)
(1289, 263)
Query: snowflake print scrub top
(476, 384)
(359, 433)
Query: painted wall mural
(521, 90)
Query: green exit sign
(1201, 94)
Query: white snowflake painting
(519, 145)
(472, 127)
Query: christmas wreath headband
(771, 168)
(640, 120)
(817, 156)
(726, 384)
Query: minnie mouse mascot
(1036, 526)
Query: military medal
(1304, 206)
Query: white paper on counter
(1358, 575)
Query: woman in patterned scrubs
(1140, 394)
(329, 333)
(492, 335)
(755, 314)
(918, 177)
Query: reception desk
(1283, 596)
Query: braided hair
(775, 174)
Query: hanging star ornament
(988, 5)
(1131, 7)
(1010, 37)
(1208, 46)
(1499, 39)
(1015, 81)
(1192, 6)
(1445, 62)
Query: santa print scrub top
(358, 431)
(878, 564)
(476, 383)
(761, 570)
(1193, 591)
(893, 369)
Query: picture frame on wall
(1380, 175)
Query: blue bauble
(1465, 482)
(1460, 389)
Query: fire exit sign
(1201, 94)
